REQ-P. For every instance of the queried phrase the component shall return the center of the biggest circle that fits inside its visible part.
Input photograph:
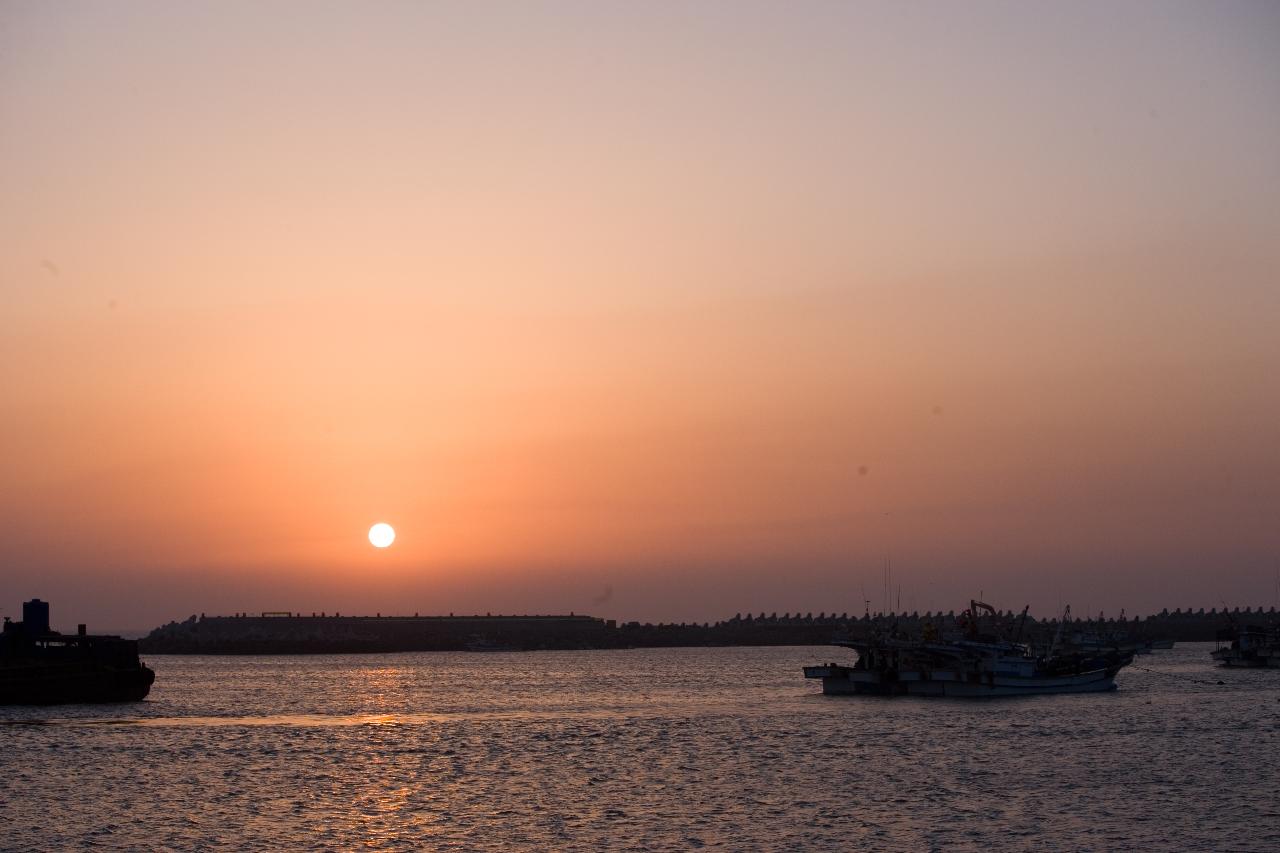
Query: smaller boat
(1248, 646)
(39, 666)
(988, 660)
(1101, 636)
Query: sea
(657, 749)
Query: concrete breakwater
(298, 633)
(291, 633)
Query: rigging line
(1179, 677)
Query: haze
(651, 311)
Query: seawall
(296, 633)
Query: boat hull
(61, 684)
(848, 681)
(1236, 660)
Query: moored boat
(39, 666)
(989, 660)
(1248, 646)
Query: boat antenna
(884, 598)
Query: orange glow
(716, 330)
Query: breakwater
(298, 633)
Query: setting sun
(382, 535)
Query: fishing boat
(989, 659)
(39, 666)
(1101, 636)
(1248, 646)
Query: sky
(652, 311)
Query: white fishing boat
(1249, 646)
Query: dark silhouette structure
(40, 666)
(284, 632)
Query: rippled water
(640, 750)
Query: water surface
(666, 749)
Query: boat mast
(1057, 635)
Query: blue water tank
(35, 616)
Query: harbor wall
(322, 634)
(296, 633)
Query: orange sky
(645, 312)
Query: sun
(381, 535)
